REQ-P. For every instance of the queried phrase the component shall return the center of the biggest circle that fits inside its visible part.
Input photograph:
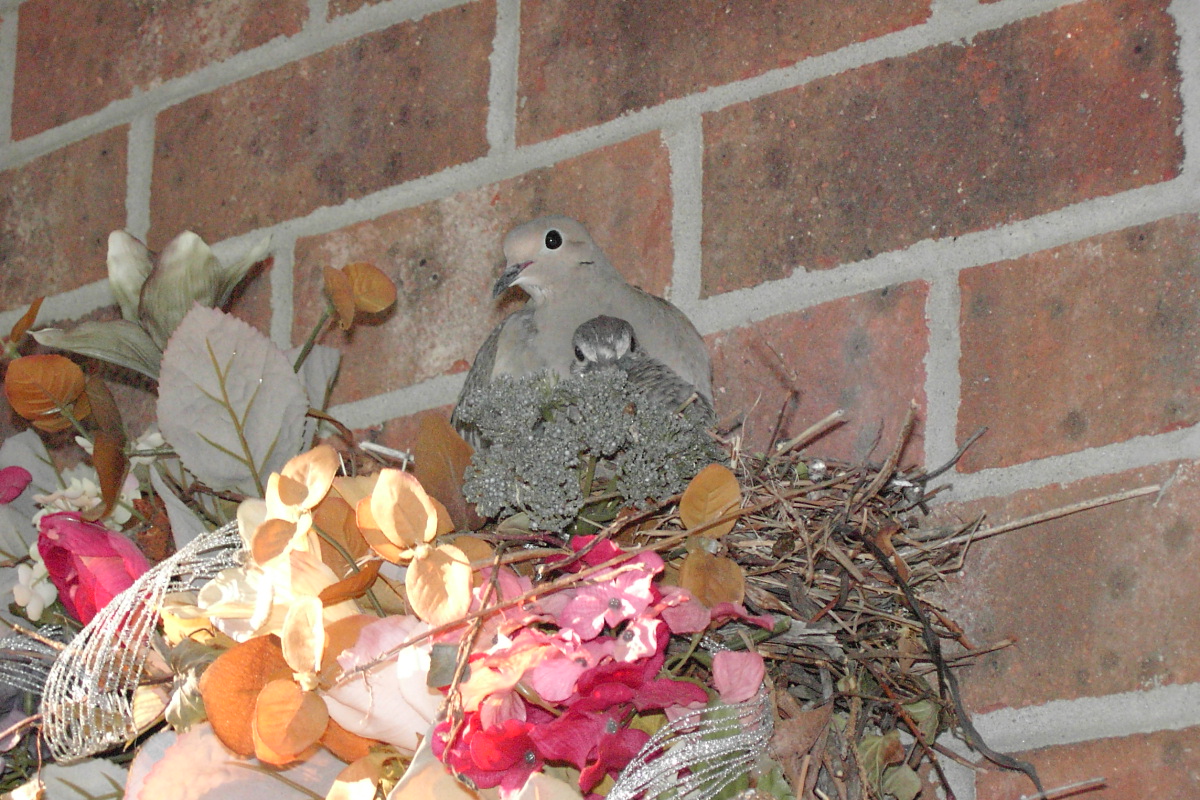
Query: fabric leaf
(229, 402)
(118, 342)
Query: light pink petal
(737, 675)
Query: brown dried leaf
(882, 539)
(712, 579)
(22, 326)
(438, 584)
(108, 456)
(372, 289)
(340, 636)
(440, 457)
(39, 386)
(474, 548)
(341, 295)
(288, 721)
(231, 685)
(712, 493)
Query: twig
(810, 433)
(1054, 513)
(1069, 790)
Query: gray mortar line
(139, 164)
(943, 382)
(8, 71)
(685, 151)
(503, 80)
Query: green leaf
(901, 782)
(774, 784)
(228, 402)
(926, 714)
(118, 342)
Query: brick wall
(990, 208)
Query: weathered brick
(863, 354)
(74, 59)
(585, 62)
(1099, 602)
(1083, 345)
(388, 107)
(55, 216)
(445, 255)
(1077, 103)
(1156, 765)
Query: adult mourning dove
(569, 281)
(605, 341)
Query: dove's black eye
(553, 239)
(578, 354)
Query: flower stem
(312, 337)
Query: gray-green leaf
(228, 402)
(118, 342)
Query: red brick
(1099, 602)
(585, 62)
(389, 107)
(75, 59)
(864, 354)
(445, 255)
(1077, 103)
(1158, 766)
(1084, 345)
(338, 8)
(55, 216)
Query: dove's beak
(507, 278)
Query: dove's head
(600, 342)
(546, 255)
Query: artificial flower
(34, 592)
(80, 492)
(613, 596)
(737, 675)
(13, 481)
(88, 564)
(154, 295)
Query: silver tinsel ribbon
(87, 703)
(700, 753)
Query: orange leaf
(232, 682)
(341, 295)
(340, 636)
(347, 746)
(22, 326)
(287, 721)
(104, 411)
(313, 471)
(438, 584)
(373, 289)
(353, 586)
(474, 548)
(882, 539)
(270, 539)
(334, 518)
(712, 579)
(39, 386)
(710, 495)
(440, 456)
(108, 456)
(375, 539)
(402, 509)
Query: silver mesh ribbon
(700, 753)
(87, 704)
(25, 661)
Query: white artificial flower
(82, 494)
(34, 591)
(150, 440)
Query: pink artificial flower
(88, 563)
(614, 597)
(13, 481)
(616, 748)
(723, 611)
(682, 612)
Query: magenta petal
(665, 692)
(571, 738)
(737, 675)
(13, 481)
(499, 748)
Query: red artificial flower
(88, 563)
(13, 481)
(616, 748)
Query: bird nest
(861, 661)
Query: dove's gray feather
(569, 281)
